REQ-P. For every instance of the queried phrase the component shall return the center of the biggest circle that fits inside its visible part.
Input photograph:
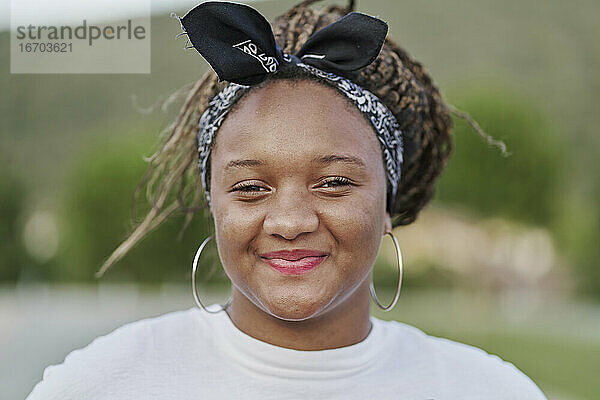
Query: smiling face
(295, 166)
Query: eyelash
(340, 180)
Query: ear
(388, 223)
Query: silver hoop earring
(393, 303)
(196, 298)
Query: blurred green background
(518, 233)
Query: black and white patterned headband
(238, 43)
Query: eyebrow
(243, 164)
(324, 160)
(331, 158)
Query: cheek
(235, 231)
(356, 228)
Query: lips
(293, 255)
(294, 262)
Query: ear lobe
(388, 222)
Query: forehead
(295, 120)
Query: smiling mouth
(294, 267)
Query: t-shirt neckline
(268, 358)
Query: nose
(291, 213)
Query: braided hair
(403, 84)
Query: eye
(337, 182)
(247, 188)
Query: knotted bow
(238, 42)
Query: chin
(291, 308)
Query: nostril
(286, 238)
(289, 225)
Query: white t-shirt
(192, 354)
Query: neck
(346, 324)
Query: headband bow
(238, 42)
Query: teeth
(296, 263)
(305, 262)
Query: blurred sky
(73, 11)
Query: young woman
(308, 145)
